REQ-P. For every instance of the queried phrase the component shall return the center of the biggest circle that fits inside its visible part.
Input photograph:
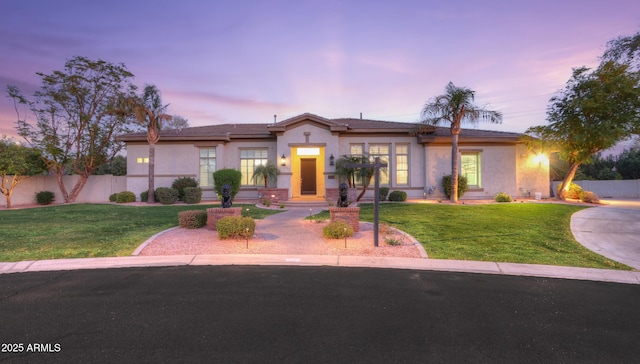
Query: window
(144, 160)
(402, 165)
(249, 159)
(382, 151)
(470, 168)
(207, 166)
(356, 149)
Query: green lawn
(514, 232)
(85, 230)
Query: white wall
(97, 189)
(629, 188)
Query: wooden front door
(307, 176)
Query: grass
(515, 233)
(86, 230)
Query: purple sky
(244, 61)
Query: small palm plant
(267, 172)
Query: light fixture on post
(332, 160)
(283, 160)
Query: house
(306, 146)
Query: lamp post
(345, 238)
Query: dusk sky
(244, 61)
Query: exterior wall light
(283, 160)
(541, 159)
(332, 160)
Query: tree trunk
(454, 168)
(568, 178)
(59, 172)
(152, 162)
(7, 191)
(71, 198)
(364, 189)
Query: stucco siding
(532, 173)
(501, 171)
(504, 165)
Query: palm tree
(350, 175)
(150, 113)
(344, 173)
(268, 172)
(455, 106)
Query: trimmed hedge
(463, 185)
(113, 197)
(125, 197)
(382, 193)
(337, 230)
(235, 227)
(398, 196)
(228, 176)
(192, 219)
(144, 196)
(166, 196)
(45, 197)
(191, 195)
(181, 183)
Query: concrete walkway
(280, 226)
(612, 230)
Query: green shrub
(589, 197)
(192, 195)
(266, 202)
(463, 185)
(144, 196)
(398, 196)
(45, 197)
(503, 197)
(337, 230)
(382, 193)
(574, 191)
(166, 196)
(228, 176)
(235, 227)
(181, 183)
(125, 197)
(192, 219)
(113, 197)
(393, 241)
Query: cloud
(215, 98)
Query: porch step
(307, 203)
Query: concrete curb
(506, 269)
(141, 247)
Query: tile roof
(226, 132)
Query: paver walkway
(287, 226)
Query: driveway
(611, 230)
(250, 314)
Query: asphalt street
(257, 314)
